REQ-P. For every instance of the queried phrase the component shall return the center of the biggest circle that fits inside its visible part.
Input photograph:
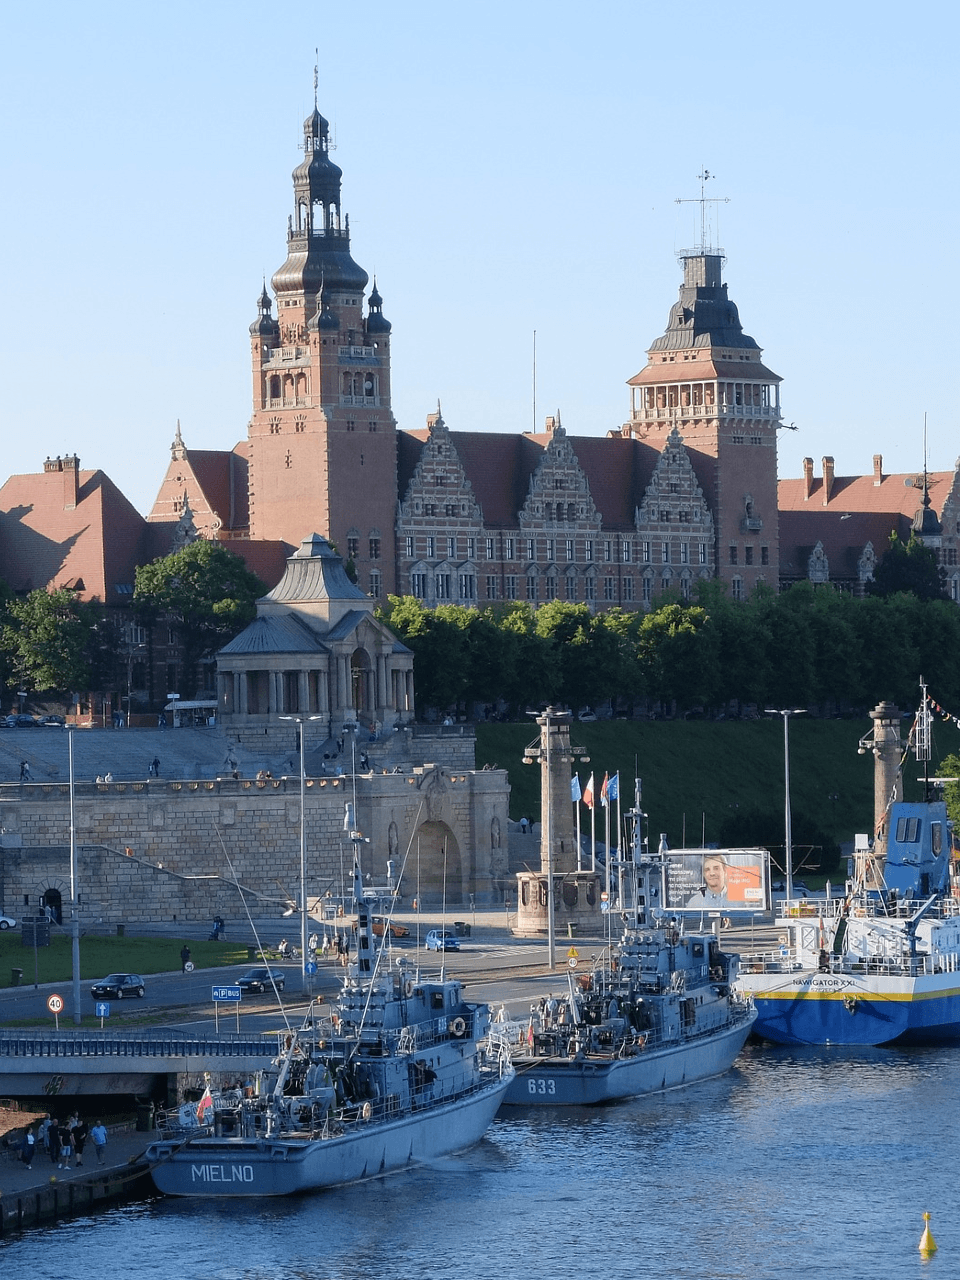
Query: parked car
(378, 925)
(8, 722)
(7, 922)
(440, 940)
(118, 985)
(52, 722)
(25, 721)
(800, 890)
(259, 979)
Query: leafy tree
(206, 591)
(909, 567)
(676, 648)
(438, 639)
(950, 768)
(56, 642)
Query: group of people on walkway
(64, 1141)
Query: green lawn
(696, 773)
(100, 956)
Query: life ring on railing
(366, 1111)
(408, 987)
(458, 1027)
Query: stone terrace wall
(188, 840)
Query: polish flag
(588, 793)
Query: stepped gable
(64, 527)
(214, 481)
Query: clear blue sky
(507, 167)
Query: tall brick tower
(322, 438)
(705, 377)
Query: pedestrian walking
(65, 1154)
(53, 1141)
(29, 1146)
(98, 1135)
(80, 1134)
(184, 958)
(24, 771)
(155, 767)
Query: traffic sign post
(228, 995)
(103, 1011)
(55, 1005)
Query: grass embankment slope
(696, 774)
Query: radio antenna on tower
(703, 177)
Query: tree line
(806, 646)
(55, 644)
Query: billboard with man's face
(731, 881)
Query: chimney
(827, 479)
(69, 469)
(807, 478)
(71, 482)
(877, 469)
(550, 424)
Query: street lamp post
(74, 904)
(301, 722)
(787, 820)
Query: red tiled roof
(700, 370)
(47, 544)
(895, 494)
(843, 537)
(215, 482)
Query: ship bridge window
(436, 999)
(908, 830)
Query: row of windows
(608, 550)
(748, 554)
(514, 586)
(353, 548)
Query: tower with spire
(705, 379)
(322, 438)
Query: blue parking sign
(226, 993)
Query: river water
(800, 1163)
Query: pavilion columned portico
(315, 648)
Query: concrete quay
(43, 1193)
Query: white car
(6, 922)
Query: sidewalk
(124, 1147)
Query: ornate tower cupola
(706, 379)
(318, 235)
(265, 325)
(322, 449)
(376, 323)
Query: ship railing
(887, 966)
(870, 908)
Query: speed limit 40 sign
(55, 1004)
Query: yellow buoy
(927, 1243)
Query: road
(494, 966)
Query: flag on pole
(204, 1105)
(613, 788)
(575, 791)
(604, 790)
(588, 794)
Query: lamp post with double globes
(301, 722)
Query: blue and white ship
(658, 1013)
(880, 964)
(394, 1077)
